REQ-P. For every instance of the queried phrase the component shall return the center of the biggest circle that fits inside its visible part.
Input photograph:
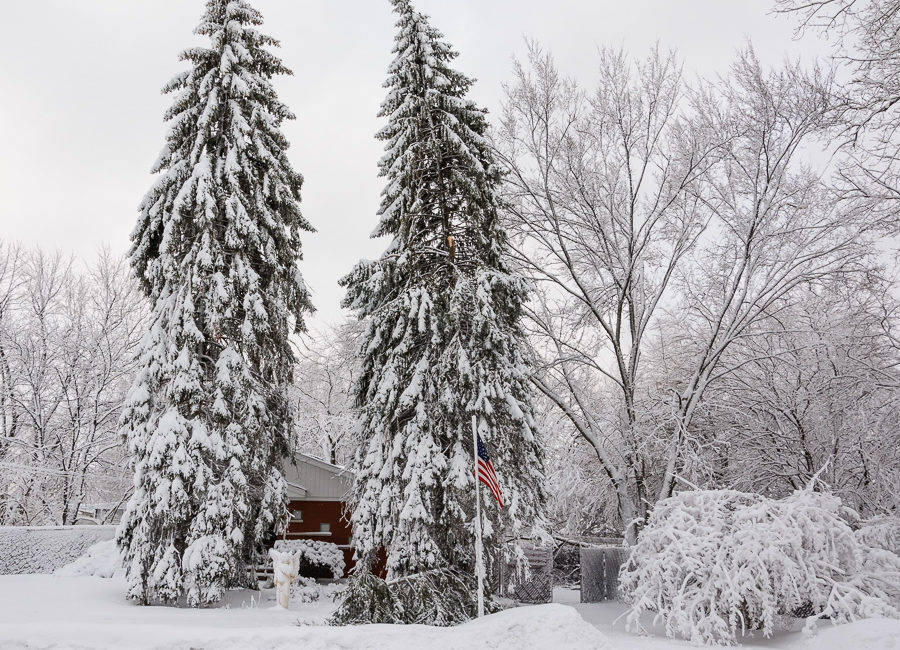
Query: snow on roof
(313, 479)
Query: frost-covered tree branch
(647, 211)
(67, 341)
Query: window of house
(297, 515)
(324, 528)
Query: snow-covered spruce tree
(216, 250)
(443, 341)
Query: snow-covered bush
(717, 563)
(440, 597)
(101, 560)
(305, 590)
(315, 552)
(880, 532)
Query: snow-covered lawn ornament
(715, 564)
(285, 566)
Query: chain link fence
(43, 549)
(532, 586)
(600, 568)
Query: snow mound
(102, 560)
(536, 626)
(869, 634)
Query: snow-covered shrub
(877, 576)
(716, 563)
(101, 560)
(440, 597)
(315, 552)
(880, 532)
(305, 590)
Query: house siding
(316, 513)
(318, 482)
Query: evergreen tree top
(442, 342)
(440, 201)
(226, 188)
(420, 48)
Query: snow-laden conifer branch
(216, 247)
(443, 340)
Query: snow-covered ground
(875, 634)
(53, 612)
(50, 612)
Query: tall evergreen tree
(443, 341)
(216, 250)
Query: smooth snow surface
(52, 612)
(76, 613)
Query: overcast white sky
(81, 110)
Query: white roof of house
(312, 479)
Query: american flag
(484, 470)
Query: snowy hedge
(713, 564)
(43, 549)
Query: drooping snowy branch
(216, 248)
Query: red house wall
(316, 513)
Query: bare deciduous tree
(641, 206)
(816, 398)
(67, 340)
(866, 107)
(326, 370)
(600, 191)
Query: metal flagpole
(479, 560)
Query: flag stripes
(485, 473)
